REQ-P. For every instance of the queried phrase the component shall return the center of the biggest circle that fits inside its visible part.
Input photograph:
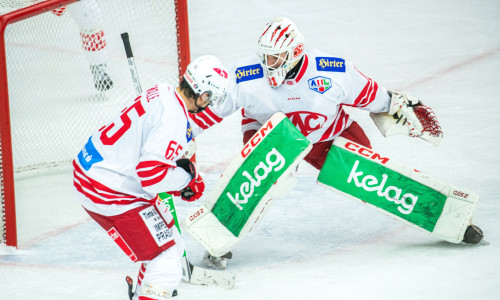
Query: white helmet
(280, 36)
(208, 78)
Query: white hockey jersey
(313, 100)
(127, 162)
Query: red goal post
(49, 99)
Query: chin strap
(199, 108)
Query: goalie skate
(215, 262)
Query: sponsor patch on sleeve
(249, 73)
(89, 155)
(330, 64)
(189, 132)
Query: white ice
(315, 244)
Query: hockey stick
(201, 276)
(131, 63)
(135, 78)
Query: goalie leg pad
(399, 191)
(248, 186)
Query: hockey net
(58, 59)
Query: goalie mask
(280, 48)
(208, 78)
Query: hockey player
(88, 16)
(125, 164)
(312, 88)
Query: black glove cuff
(187, 165)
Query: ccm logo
(256, 138)
(366, 152)
(196, 214)
(460, 194)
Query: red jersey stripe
(99, 200)
(151, 163)
(154, 180)
(144, 174)
(206, 118)
(213, 115)
(198, 121)
(97, 185)
(302, 69)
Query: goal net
(64, 74)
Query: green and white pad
(248, 186)
(397, 190)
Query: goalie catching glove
(195, 187)
(402, 106)
(407, 115)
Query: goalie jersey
(314, 100)
(127, 162)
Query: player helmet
(280, 48)
(208, 78)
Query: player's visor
(212, 99)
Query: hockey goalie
(312, 88)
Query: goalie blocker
(248, 186)
(410, 196)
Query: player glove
(195, 187)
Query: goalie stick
(190, 272)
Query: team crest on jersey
(89, 155)
(249, 73)
(189, 133)
(307, 121)
(330, 64)
(320, 84)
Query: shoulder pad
(250, 72)
(330, 64)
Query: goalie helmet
(280, 48)
(208, 78)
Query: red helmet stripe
(276, 30)
(266, 30)
(281, 34)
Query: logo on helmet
(297, 51)
(221, 72)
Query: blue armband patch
(249, 73)
(189, 132)
(330, 64)
(89, 155)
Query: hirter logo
(306, 121)
(221, 72)
(320, 84)
(249, 73)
